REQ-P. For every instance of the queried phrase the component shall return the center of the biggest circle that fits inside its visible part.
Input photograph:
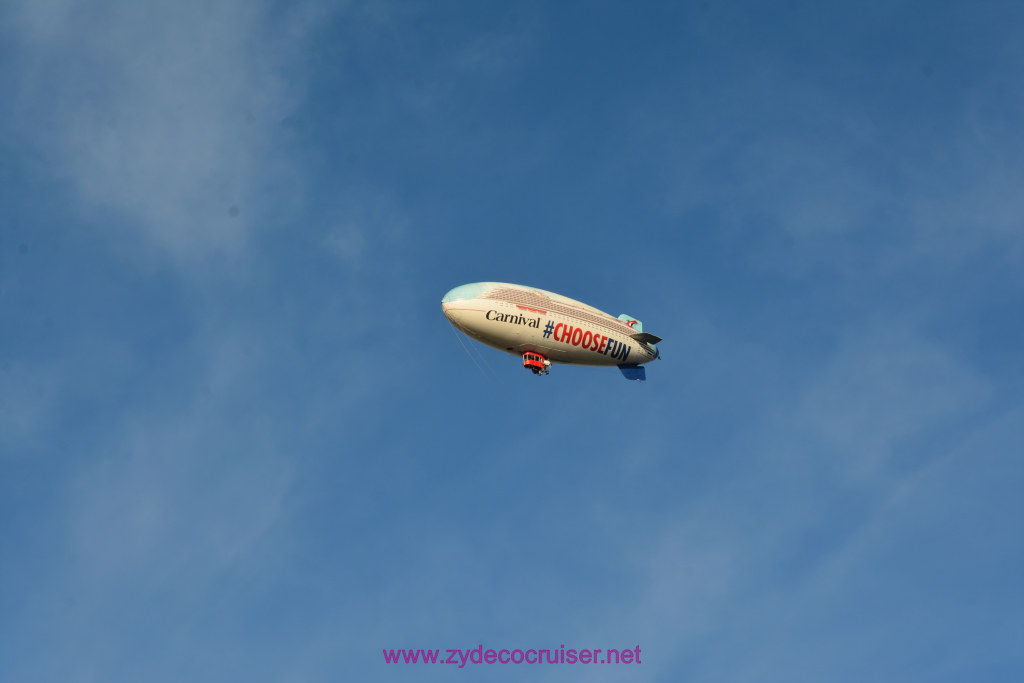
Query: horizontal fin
(646, 338)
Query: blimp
(544, 328)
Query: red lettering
(557, 334)
(588, 336)
(604, 340)
(567, 334)
(577, 335)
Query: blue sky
(239, 441)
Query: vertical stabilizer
(632, 322)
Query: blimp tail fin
(637, 372)
(632, 322)
(639, 334)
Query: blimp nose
(453, 313)
(464, 292)
(449, 301)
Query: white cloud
(164, 118)
(183, 489)
(813, 169)
(884, 386)
(900, 593)
(26, 406)
(348, 242)
(164, 505)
